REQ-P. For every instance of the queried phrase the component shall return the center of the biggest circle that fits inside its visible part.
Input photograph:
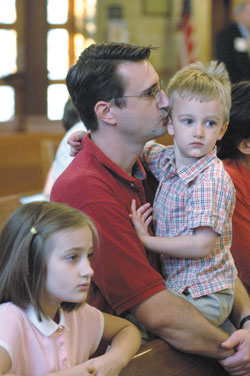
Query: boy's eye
(188, 121)
(210, 123)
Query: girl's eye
(72, 257)
(90, 255)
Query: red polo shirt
(124, 273)
(240, 249)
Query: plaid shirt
(201, 194)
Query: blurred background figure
(232, 44)
(71, 123)
(234, 150)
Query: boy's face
(196, 127)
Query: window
(43, 39)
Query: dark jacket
(231, 49)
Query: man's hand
(75, 142)
(238, 364)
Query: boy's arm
(194, 246)
(187, 246)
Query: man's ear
(244, 147)
(103, 111)
(223, 130)
(170, 127)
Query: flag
(188, 46)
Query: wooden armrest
(157, 358)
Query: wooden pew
(25, 159)
(157, 358)
(8, 204)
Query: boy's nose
(198, 130)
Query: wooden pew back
(23, 161)
(157, 358)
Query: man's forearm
(177, 322)
(241, 306)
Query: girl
(46, 327)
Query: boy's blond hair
(196, 81)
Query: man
(233, 44)
(119, 98)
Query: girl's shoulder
(85, 311)
(86, 317)
(12, 313)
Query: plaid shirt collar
(189, 173)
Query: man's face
(145, 116)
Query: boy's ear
(223, 130)
(103, 111)
(170, 127)
(244, 147)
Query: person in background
(71, 123)
(232, 44)
(119, 97)
(195, 199)
(234, 150)
(46, 327)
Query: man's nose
(163, 100)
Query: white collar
(46, 326)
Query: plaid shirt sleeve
(153, 157)
(212, 202)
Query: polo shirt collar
(91, 148)
(46, 326)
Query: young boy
(195, 198)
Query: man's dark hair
(94, 77)
(239, 122)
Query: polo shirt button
(132, 185)
(62, 347)
(59, 331)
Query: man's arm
(170, 317)
(181, 325)
(239, 362)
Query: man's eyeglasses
(151, 93)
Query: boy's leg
(215, 307)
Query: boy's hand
(75, 142)
(141, 218)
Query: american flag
(188, 47)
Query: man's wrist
(243, 321)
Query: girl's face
(68, 268)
